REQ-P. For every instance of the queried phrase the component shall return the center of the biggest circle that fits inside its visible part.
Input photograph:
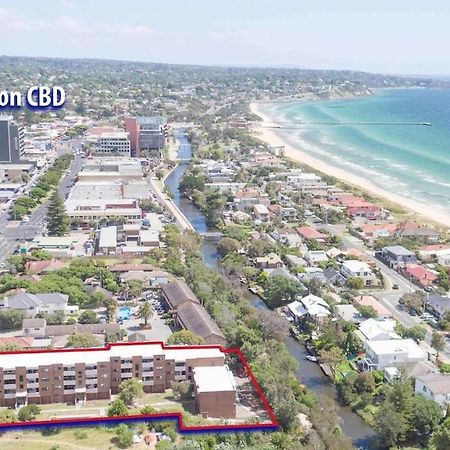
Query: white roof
(108, 237)
(149, 349)
(393, 346)
(372, 328)
(261, 209)
(214, 379)
(356, 266)
(149, 235)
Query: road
(167, 203)
(12, 232)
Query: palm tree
(145, 312)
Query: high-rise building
(11, 140)
(147, 135)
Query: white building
(113, 144)
(434, 386)
(360, 269)
(261, 213)
(392, 353)
(377, 330)
(311, 306)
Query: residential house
(368, 300)
(354, 268)
(270, 261)
(377, 330)
(421, 233)
(33, 304)
(434, 386)
(396, 256)
(436, 252)
(420, 275)
(260, 212)
(307, 233)
(310, 307)
(349, 313)
(314, 257)
(439, 304)
(392, 353)
(49, 265)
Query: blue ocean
(377, 138)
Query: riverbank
(426, 213)
(308, 373)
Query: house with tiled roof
(45, 266)
(420, 275)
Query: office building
(11, 140)
(113, 144)
(147, 135)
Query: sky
(389, 36)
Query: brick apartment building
(73, 376)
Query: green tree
(11, 319)
(57, 219)
(124, 436)
(111, 308)
(365, 382)
(145, 312)
(367, 311)
(82, 340)
(184, 337)
(390, 425)
(441, 439)
(7, 415)
(280, 290)
(425, 417)
(416, 332)
(438, 342)
(181, 389)
(355, 283)
(88, 316)
(28, 412)
(117, 408)
(333, 357)
(227, 245)
(130, 390)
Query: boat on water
(311, 358)
(295, 333)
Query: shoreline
(427, 212)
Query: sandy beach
(296, 154)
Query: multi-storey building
(147, 135)
(11, 140)
(113, 144)
(73, 376)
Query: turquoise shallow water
(413, 161)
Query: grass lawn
(342, 370)
(98, 438)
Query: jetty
(301, 124)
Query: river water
(309, 373)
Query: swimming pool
(124, 313)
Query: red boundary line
(273, 425)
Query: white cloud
(12, 21)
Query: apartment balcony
(127, 375)
(34, 385)
(9, 376)
(147, 373)
(147, 366)
(126, 365)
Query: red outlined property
(225, 391)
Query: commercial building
(113, 143)
(147, 135)
(99, 209)
(11, 140)
(74, 376)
